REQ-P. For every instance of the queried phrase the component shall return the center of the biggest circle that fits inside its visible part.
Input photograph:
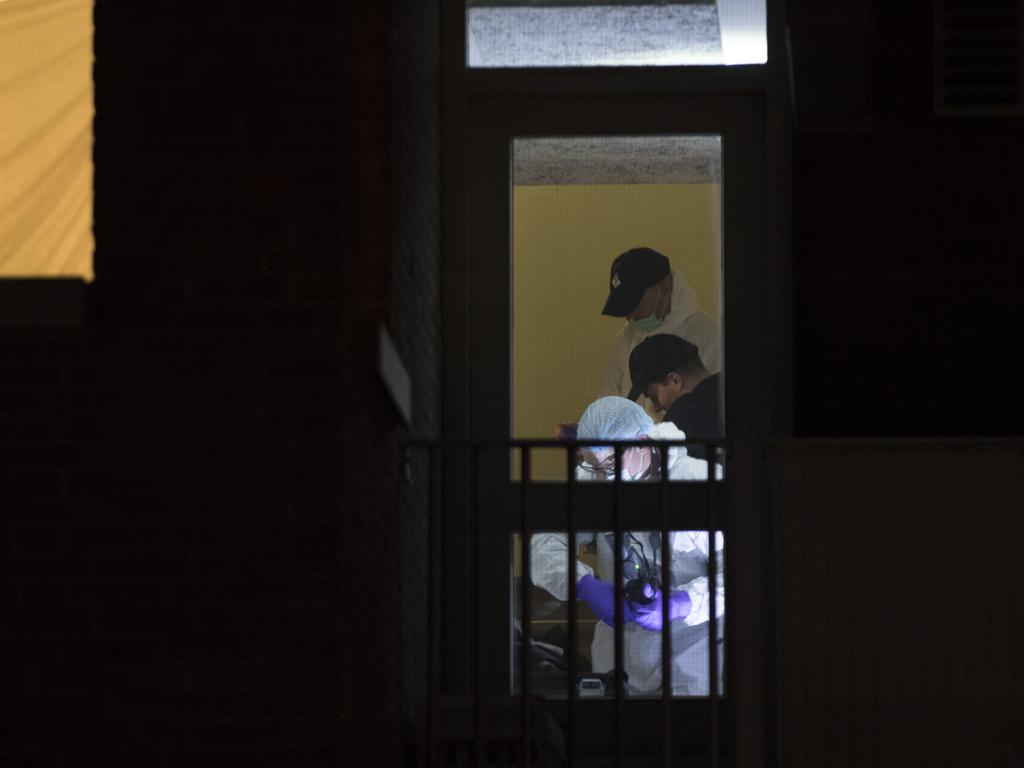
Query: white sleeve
(682, 466)
(706, 333)
(548, 563)
(697, 589)
(616, 374)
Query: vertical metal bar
(618, 594)
(666, 628)
(712, 452)
(477, 534)
(570, 519)
(433, 602)
(524, 594)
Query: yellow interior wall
(565, 239)
(46, 110)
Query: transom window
(604, 33)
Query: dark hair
(659, 355)
(690, 367)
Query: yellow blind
(46, 110)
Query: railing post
(618, 613)
(433, 602)
(570, 519)
(477, 539)
(525, 612)
(712, 452)
(666, 627)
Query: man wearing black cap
(668, 370)
(643, 289)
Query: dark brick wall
(415, 316)
(199, 549)
(907, 236)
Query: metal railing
(526, 751)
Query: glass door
(616, 283)
(557, 187)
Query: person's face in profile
(652, 302)
(663, 393)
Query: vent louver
(979, 66)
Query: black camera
(644, 586)
(643, 589)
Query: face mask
(635, 460)
(650, 323)
(647, 324)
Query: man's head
(664, 367)
(639, 285)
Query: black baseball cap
(656, 357)
(632, 273)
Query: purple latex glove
(600, 596)
(649, 616)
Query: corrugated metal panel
(900, 603)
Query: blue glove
(600, 596)
(649, 615)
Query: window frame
(42, 302)
(51, 301)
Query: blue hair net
(613, 418)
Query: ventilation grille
(979, 68)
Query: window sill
(42, 302)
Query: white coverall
(689, 568)
(685, 319)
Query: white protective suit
(685, 319)
(689, 569)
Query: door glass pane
(689, 610)
(579, 205)
(605, 33)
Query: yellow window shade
(46, 111)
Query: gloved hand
(649, 615)
(600, 596)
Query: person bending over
(616, 418)
(669, 371)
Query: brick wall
(415, 318)
(200, 560)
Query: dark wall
(907, 236)
(875, 667)
(199, 550)
(415, 316)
